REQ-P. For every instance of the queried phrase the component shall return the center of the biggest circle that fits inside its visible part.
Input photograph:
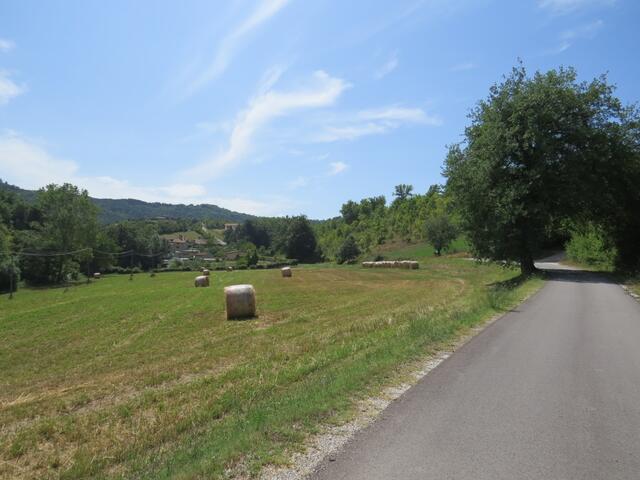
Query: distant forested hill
(114, 210)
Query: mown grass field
(146, 378)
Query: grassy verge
(145, 378)
(633, 283)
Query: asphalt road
(550, 391)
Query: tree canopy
(542, 150)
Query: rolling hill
(115, 210)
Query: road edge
(332, 438)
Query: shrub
(589, 245)
(349, 251)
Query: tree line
(545, 160)
(58, 237)
(360, 228)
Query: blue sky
(274, 106)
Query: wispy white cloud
(337, 167)
(229, 44)
(375, 122)
(28, 164)
(6, 45)
(389, 66)
(561, 7)
(588, 30)
(463, 67)
(569, 37)
(322, 90)
(8, 88)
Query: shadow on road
(578, 276)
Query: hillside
(115, 210)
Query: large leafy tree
(539, 150)
(68, 224)
(440, 231)
(301, 241)
(349, 250)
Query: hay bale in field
(205, 272)
(201, 281)
(97, 276)
(414, 265)
(229, 269)
(286, 271)
(240, 301)
(367, 264)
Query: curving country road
(549, 391)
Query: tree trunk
(527, 267)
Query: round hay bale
(205, 272)
(240, 301)
(415, 265)
(97, 276)
(286, 271)
(201, 281)
(229, 269)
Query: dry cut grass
(146, 378)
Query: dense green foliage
(589, 246)
(57, 237)
(371, 223)
(349, 250)
(441, 231)
(542, 151)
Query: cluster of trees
(58, 237)
(361, 227)
(292, 237)
(410, 217)
(546, 155)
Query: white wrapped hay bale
(240, 301)
(205, 272)
(414, 265)
(201, 281)
(367, 264)
(229, 269)
(286, 271)
(97, 276)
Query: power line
(75, 252)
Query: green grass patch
(418, 251)
(146, 378)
